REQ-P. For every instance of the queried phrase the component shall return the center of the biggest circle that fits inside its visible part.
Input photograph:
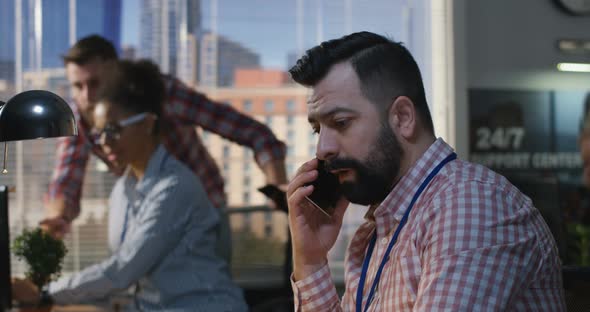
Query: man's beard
(376, 175)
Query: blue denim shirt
(162, 231)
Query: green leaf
(43, 254)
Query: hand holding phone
(326, 191)
(314, 232)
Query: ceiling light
(574, 67)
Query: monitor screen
(5, 291)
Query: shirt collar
(389, 213)
(151, 172)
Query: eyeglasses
(113, 131)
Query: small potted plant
(43, 255)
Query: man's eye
(315, 129)
(341, 123)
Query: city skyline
(247, 22)
(294, 25)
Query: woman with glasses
(162, 227)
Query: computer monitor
(5, 287)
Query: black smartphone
(326, 191)
(275, 194)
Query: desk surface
(77, 308)
(72, 308)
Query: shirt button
(137, 202)
(384, 240)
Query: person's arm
(483, 249)
(62, 200)
(193, 108)
(275, 172)
(313, 235)
(159, 228)
(316, 292)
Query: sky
(269, 27)
(130, 25)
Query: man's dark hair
(89, 48)
(385, 68)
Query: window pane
(268, 106)
(290, 105)
(247, 105)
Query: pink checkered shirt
(184, 110)
(472, 242)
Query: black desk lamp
(28, 115)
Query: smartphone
(275, 194)
(326, 191)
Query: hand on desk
(27, 295)
(25, 292)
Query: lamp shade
(36, 114)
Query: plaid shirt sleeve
(68, 175)
(486, 245)
(194, 108)
(316, 292)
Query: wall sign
(513, 130)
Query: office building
(220, 57)
(169, 34)
(7, 39)
(46, 26)
(269, 97)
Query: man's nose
(100, 139)
(105, 143)
(327, 147)
(81, 96)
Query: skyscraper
(219, 59)
(7, 30)
(7, 51)
(169, 35)
(100, 17)
(46, 28)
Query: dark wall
(512, 44)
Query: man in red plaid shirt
(185, 109)
(440, 234)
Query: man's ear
(402, 117)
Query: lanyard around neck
(359, 293)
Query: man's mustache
(343, 163)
